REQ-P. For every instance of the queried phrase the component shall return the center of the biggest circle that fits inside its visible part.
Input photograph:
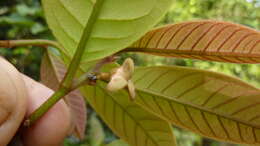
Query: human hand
(50, 130)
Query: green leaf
(208, 103)
(119, 24)
(96, 132)
(204, 40)
(117, 143)
(52, 72)
(128, 120)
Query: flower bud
(121, 78)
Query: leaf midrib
(169, 99)
(189, 52)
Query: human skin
(54, 126)
(20, 96)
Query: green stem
(66, 85)
(85, 79)
(73, 67)
(45, 106)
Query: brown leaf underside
(203, 40)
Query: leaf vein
(136, 122)
(203, 35)
(186, 36)
(223, 126)
(228, 38)
(173, 36)
(157, 78)
(177, 80)
(241, 40)
(160, 38)
(239, 131)
(214, 37)
(192, 88)
(213, 94)
(253, 47)
(192, 120)
(206, 121)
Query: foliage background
(24, 19)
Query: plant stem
(94, 74)
(88, 79)
(73, 67)
(45, 106)
(84, 79)
(66, 84)
(35, 42)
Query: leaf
(52, 70)
(128, 120)
(96, 132)
(208, 103)
(52, 73)
(117, 143)
(119, 24)
(204, 40)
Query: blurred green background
(24, 19)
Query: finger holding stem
(45, 106)
(66, 84)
